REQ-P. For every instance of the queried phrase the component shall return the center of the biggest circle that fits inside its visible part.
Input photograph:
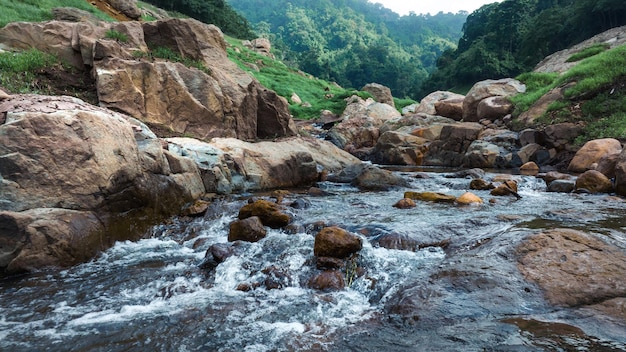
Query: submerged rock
(328, 280)
(405, 203)
(435, 197)
(249, 229)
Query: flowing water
(152, 294)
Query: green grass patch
(116, 35)
(41, 10)
(588, 52)
(18, 70)
(165, 53)
(537, 84)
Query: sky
(403, 7)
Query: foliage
(588, 52)
(354, 42)
(40, 10)
(216, 12)
(507, 38)
(595, 97)
(275, 75)
(165, 53)
(17, 70)
(116, 35)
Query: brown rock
(506, 188)
(504, 88)
(397, 241)
(396, 148)
(428, 103)
(594, 182)
(196, 208)
(529, 166)
(607, 164)
(127, 7)
(269, 213)
(555, 175)
(481, 185)
(380, 93)
(430, 197)
(451, 108)
(375, 179)
(493, 108)
(573, 268)
(592, 152)
(249, 229)
(336, 242)
(405, 203)
(329, 280)
(468, 198)
(620, 174)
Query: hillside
(354, 42)
(508, 38)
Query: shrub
(116, 35)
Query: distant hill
(508, 38)
(354, 42)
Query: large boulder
(127, 7)
(573, 268)
(380, 93)
(95, 170)
(506, 87)
(362, 120)
(452, 145)
(493, 108)
(395, 148)
(428, 105)
(594, 182)
(216, 99)
(592, 152)
(451, 108)
(373, 178)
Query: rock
(269, 213)
(127, 7)
(328, 280)
(380, 93)
(428, 103)
(295, 99)
(3, 96)
(453, 143)
(560, 136)
(506, 87)
(196, 208)
(573, 268)
(405, 203)
(216, 254)
(336, 243)
(493, 108)
(620, 174)
(397, 241)
(435, 197)
(451, 108)
(594, 182)
(39, 238)
(376, 179)
(562, 186)
(529, 168)
(249, 229)
(395, 148)
(262, 46)
(481, 154)
(471, 173)
(329, 263)
(506, 188)
(469, 198)
(555, 175)
(481, 185)
(72, 14)
(361, 122)
(592, 152)
(607, 164)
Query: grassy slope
(596, 99)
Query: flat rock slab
(573, 268)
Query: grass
(597, 97)
(588, 52)
(165, 53)
(285, 81)
(18, 70)
(116, 35)
(40, 10)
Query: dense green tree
(216, 12)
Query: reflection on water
(467, 295)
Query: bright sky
(403, 7)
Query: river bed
(152, 294)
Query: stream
(153, 295)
